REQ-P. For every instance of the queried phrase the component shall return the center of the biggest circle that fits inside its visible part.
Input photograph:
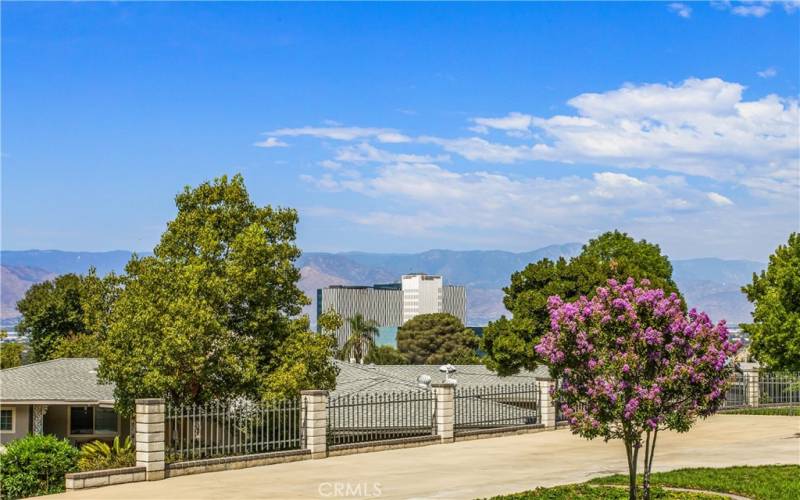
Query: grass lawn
(790, 411)
(584, 491)
(767, 482)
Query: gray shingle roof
(355, 378)
(65, 379)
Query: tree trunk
(632, 456)
(648, 464)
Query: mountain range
(710, 284)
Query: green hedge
(35, 465)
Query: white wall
(422, 294)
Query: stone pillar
(751, 377)
(547, 409)
(150, 437)
(444, 395)
(315, 422)
(39, 412)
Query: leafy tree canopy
(385, 355)
(212, 311)
(67, 306)
(775, 331)
(77, 346)
(435, 339)
(329, 321)
(10, 352)
(509, 343)
(301, 362)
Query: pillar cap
(315, 392)
(443, 384)
(150, 401)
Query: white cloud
(512, 122)
(651, 141)
(490, 200)
(343, 133)
(330, 165)
(271, 142)
(611, 185)
(719, 199)
(755, 8)
(699, 127)
(767, 73)
(365, 153)
(681, 9)
(479, 149)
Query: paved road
(481, 468)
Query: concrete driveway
(481, 468)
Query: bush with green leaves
(35, 465)
(98, 455)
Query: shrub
(35, 465)
(98, 455)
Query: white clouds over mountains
(699, 128)
(693, 141)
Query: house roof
(75, 380)
(57, 380)
(356, 378)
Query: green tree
(10, 352)
(301, 362)
(615, 255)
(77, 346)
(775, 330)
(509, 343)
(66, 308)
(329, 322)
(51, 310)
(386, 355)
(362, 338)
(437, 338)
(210, 313)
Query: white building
(393, 304)
(422, 294)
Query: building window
(105, 420)
(89, 420)
(80, 420)
(7, 420)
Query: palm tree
(362, 338)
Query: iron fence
(357, 418)
(487, 407)
(779, 389)
(738, 393)
(227, 428)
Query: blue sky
(404, 127)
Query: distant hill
(710, 284)
(15, 282)
(61, 262)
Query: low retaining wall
(467, 435)
(386, 444)
(236, 462)
(92, 479)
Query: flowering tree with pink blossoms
(631, 362)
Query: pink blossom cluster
(630, 359)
